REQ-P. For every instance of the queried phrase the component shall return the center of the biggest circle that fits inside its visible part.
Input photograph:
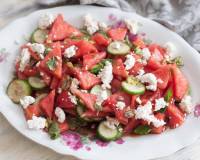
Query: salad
(105, 80)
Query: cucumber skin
(32, 39)
(25, 82)
(109, 49)
(130, 92)
(34, 86)
(100, 136)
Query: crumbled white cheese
(102, 95)
(106, 75)
(38, 48)
(132, 26)
(138, 100)
(186, 104)
(70, 52)
(145, 112)
(36, 123)
(120, 105)
(102, 26)
(111, 123)
(72, 98)
(151, 79)
(160, 80)
(24, 59)
(160, 103)
(170, 48)
(91, 24)
(45, 21)
(26, 101)
(146, 54)
(141, 72)
(129, 62)
(60, 114)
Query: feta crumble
(26, 101)
(186, 104)
(72, 98)
(24, 59)
(102, 95)
(138, 100)
(36, 123)
(102, 26)
(106, 75)
(120, 105)
(132, 26)
(129, 62)
(91, 24)
(45, 21)
(70, 51)
(151, 79)
(145, 112)
(38, 48)
(74, 83)
(160, 103)
(60, 114)
(146, 54)
(111, 123)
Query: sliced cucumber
(39, 36)
(118, 48)
(133, 86)
(107, 134)
(18, 89)
(36, 82)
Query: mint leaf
(51, 63)
(142, 130)
(54, 130)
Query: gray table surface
(13, 146)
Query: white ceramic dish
(145, 147)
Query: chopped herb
(177, 60)
(47, 50)
(168, 95)
(54, 130)
(51, 63)
(103, 33)
(142, 130)
(137, 50)
(97, 68)
(162, 110)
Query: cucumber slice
(39, 36)
(18, 89)
(118, 48)
(105, 133)
(133, 86)
(36, 82)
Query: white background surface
(14, 146)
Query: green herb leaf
(168, 95)
(103, 33)
(47, 50)
(177, 60)
(54, 130)
(162, 110)
(85, 139)
(137, 50)
(142, 130)
(97, 68)
(51, 63)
